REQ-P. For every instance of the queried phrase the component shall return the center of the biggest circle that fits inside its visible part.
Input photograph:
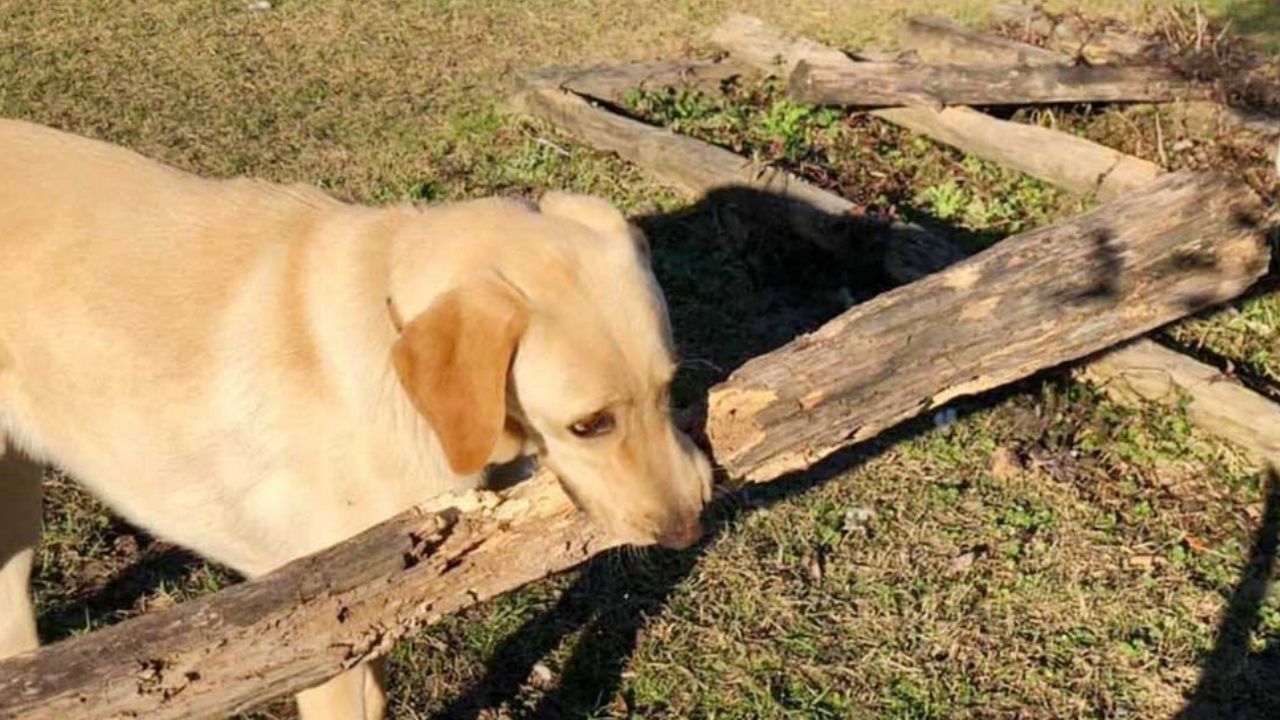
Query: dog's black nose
(681, 535)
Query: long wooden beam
(1142, 369)
(1079, 165)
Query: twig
(1164, 158)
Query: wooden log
(869, 84)
(942, 41)
(1068, 161)
(1104, 46)
(1075, 163)
(1107, 46)
(700, 168)
(757, 44)
(307, 621)
(612, 82)
(1173, 248)
(996, 317)
(1147, 371)
(1079, 165)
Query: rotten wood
(302, 624)
(1172, 248)
(700, 168)
(1223, 409)
(1147, 371)
(1075, 163)
(871, 84)
(1032, 301)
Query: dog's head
(559, 342)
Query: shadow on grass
(609, 601)
(1238, 681)
(160, 565)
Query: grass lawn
(1047, 555)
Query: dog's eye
(600, 423)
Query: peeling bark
(877, 84)
(1035, 300)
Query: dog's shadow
(609, 600)
(705, 256)
(1238, 680)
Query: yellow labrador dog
(257, 372)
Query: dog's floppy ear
(453, 360)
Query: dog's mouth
(679, 535)
(682, 537)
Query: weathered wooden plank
(1070, 39)
(996, 317)
(612, 82)
(1079, 165)
(941, 41)
(757, 44)
(1075, 163)
(307, 621)
(871, 84)
(1145, 370)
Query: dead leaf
(1003, 464)
(962, 562)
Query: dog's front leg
(357, 694)
(19, 534)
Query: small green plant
(791, 128)
(681, 109)
(946, 200)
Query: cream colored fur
(213, 359)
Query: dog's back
(151, 319)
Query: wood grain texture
(940, 41)
(760, 45)
(1069, 39)
(876, 84)
(1074, 163)
(1223, 409)
(1033, 301)
(307, 621)
(612, 82)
